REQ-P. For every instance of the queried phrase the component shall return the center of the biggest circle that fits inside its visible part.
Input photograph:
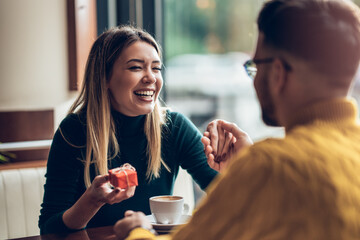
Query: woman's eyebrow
(135, 60)
(142, 61)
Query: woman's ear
(278, 76)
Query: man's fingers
(221, 140)
(232, 128)
(129, 213)
(213, 134)
(125, 225)
(228, 139)
(218, 136)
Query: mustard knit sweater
(303, 186)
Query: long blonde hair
(94, 99)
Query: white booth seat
(21, 193)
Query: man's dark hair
(324, 32)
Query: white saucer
(166, 228)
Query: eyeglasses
(251, 69)
(250, 66)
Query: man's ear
(278, 76)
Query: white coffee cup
(168, 209)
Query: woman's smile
(145, 95)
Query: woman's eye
(134, 68)
(157, 68)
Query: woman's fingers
(210, 158)
(212, 163)
(100, 180)
(208, 150)
(205, 141)
(207, 134)
(117, 195)
(111, 196)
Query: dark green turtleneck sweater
(181, 146)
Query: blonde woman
(117, 119)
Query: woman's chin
(146, 110)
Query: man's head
(314, 45)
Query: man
(306, 185)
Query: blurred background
(44, 44)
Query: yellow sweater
(304, 186)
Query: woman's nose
(149, 77)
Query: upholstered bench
(21, 193)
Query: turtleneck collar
(330, 111)
(128, 126)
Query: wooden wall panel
(82, 32)
(17, 126)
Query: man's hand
(131, 220)
(221, 140)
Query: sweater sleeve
(143, 234)
(190, 151)
(64, 184)
(234, 205)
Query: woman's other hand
(221, 140)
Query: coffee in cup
(168, 209)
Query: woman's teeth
(145, 93)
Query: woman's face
(136, 80)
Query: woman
(117, 119)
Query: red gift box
(123, 177)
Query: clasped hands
(221, 141)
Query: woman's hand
(131, 220)
(98, 194)
(221, 141)
(101, 193)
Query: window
(206, 43)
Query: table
(100, 233)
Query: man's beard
(267, 106)
(267, 119)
